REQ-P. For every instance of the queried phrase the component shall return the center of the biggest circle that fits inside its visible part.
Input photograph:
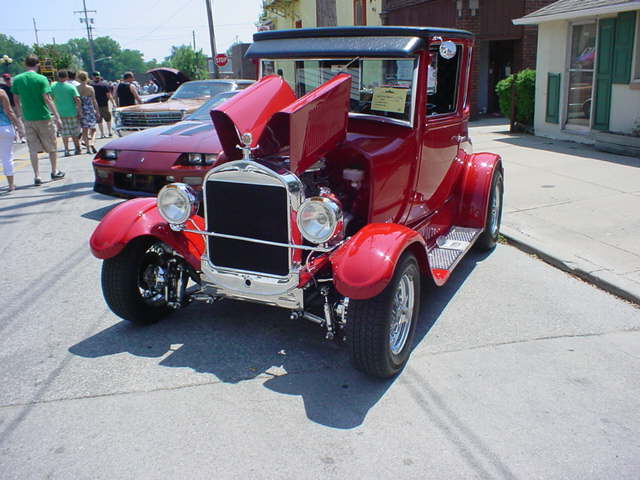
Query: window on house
(359, 12)
(636, 71)
(580, 75)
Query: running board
(449, 250)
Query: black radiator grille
(252, 211)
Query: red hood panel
(249, 111)
(312, 126)
(186, 136)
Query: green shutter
(553, 98)
(623, 47)
(606, 35)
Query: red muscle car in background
(141, 164)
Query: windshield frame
(414, 83)
(173, 95)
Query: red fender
(364, 265)
(140, 217)
(476, 183)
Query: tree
(59, 55)
(112, 60)
(17, 51)
(190, 62)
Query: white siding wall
(553, 40)
(625, 108)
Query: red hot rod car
(347, 175)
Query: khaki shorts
(105, 113)
(41, 135)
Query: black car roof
(346, 41)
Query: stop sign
(221, 59)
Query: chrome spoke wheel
(401, 314)
(494, 210)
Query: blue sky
(146, 25)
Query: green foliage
(192, 63)
(16, 50)
(525, 82)
(58, 54)
(111, 60)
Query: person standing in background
(103, 96)
(90, 112)
(7, 135)
(67, 101)
(6, 86)
(72, 79)
(126, 92)
(32, 95)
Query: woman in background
(7, 136)
(90, 111)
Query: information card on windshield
(386, 99)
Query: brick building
(501, 47)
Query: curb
(615, 288)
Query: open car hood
(310, 126)
(168, 79)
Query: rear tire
(123, 278)
(489, 236)
(380, 335)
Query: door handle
(459, 138)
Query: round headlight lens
(176, 203)
(319, 219)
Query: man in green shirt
(31, 92)
(67, 100)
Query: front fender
(364, 265)
(476, 184)
(140, 217)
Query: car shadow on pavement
(99, 213)
(237, 341)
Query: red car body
(415, 198)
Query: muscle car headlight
(177, 202)
(320, 219)
(109, 154)
(200, 158)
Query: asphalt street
(519, 371)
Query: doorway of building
(500, 66)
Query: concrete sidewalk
(575, 207)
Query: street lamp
(6, 60)
(103, 58)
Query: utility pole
(193, 32)
(212, 39)
(88, 22)
(35, 29)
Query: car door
(444, 127)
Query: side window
(442, 82)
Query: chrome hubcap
(401, 314)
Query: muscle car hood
(168, 79)
(188, 105)
(310, 126)
(186, 136)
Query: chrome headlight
(200, 158)
(109, 154)
(320, 219)
(177, 202)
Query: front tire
(128, 283)
(381, 329)
(489, 236)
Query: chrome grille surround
(281, 291)
(149, 119)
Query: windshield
(382, 87)
(203, 113)
(201, 89)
